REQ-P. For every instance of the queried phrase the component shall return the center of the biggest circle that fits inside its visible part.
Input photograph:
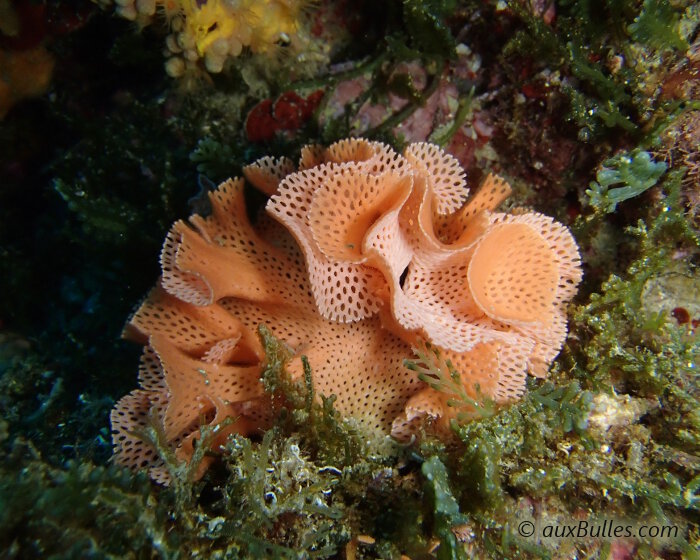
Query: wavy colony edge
(361, 255)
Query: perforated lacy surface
(386, 251)
(203, 358)
(377, 228)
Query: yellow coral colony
(214, 30)
(370, 253)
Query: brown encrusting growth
(386, 252)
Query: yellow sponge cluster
(213, 30)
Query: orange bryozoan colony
(362, 254)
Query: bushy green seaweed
(544, 446)
(601, 44)
(213, 159)
(282, 490)
(446, 514)
(334, 439)
(620, 333)
(442, 376)
(525, 429)
(425, 23)
(276, 504)
(78, 510)
(636, 172)
(657, 26)
(624, 344)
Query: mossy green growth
(278, 489)
(657, 26)
(276, 504)
(425, 22)
(599, 100)
(619, 335)
(213, 159)
(77, 511)
(522, 434)
(336, 441)
(615, 53)
(624, 345)
(545, 448)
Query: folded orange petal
(346, 208)
(458, 228)
(513, 275)
(266, 173)
(444, 174)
